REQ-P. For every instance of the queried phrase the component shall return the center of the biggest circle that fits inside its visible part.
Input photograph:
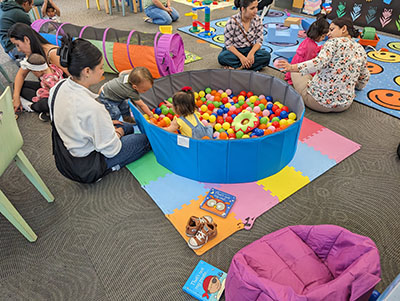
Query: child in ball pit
(188, 124)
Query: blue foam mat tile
(172, 191)
(310, 162)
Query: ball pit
(227, 160)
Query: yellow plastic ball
(269, 124)
(277, 103)
(224, 95)
(292, 116)
(196, 95)
(228, 105)
(241, 97)
(253, 99)
(290, 121)
(280, 106)
(205, 116)
(283, 122)
(226, 125)
(167, 120)
(230, 131)
(204, 108)
(202, 93)
(146, 116)
(212, 118)
(156, 116)
(217, 126)
(245, 136)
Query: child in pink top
(309, 49)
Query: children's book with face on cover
(206, 282)
(218, 202)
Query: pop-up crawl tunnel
(223, 161)
(162, 54)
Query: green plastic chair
(11, 143)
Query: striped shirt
(234, 34)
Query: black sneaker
(45, 117)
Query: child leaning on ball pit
(183, 104)
(130, 83)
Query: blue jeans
(161, 17)
(115, 108)
(261, 58)
(133, 147)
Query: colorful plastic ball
(261, 106)
(264, 120)
(220, 91)
(216, 135)
(284, 114)
(232, 108)
(257, 109)
(207, 90)
(277, 119)
(266, 113)
(274, 108)
(226, 125)
(233, 116)
(278, 112)
(223, 136)
(250, 94)
(217, 126)
(259, 132)
(230, 130)
(269, 106)
(245, 136)
(252, 98)
(229, 119)
(283, 122)
(249, 109)
(169, 99)
(211, 107)
(261, 96)
(224, 95)
(292, 116)
(205, 116)
(161, 116)
(285, 108)
(204, 108)
(226, 110)
(228, 91)
(220, 112)
(202, 94)
(275, 124)
(156, 116)
(228, 105)
(221, 130)
(289, 121)
(212, 118)
(205, 122)
(268, 98)
(271, 128)
(157, 111)
(239, 134)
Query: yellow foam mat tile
(225, 226)
(284, 183)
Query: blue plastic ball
(226, 110)
(233, 116)
(215, 114)
(222, 107)
(268, 98)
(158, 111)
(269, 106)
(220, 112)
(284, 114)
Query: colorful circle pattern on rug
(221, 23)
(384, 56)
(385, 97)
(394, 45)
(374, 68)
(219, 38)
(397, 80)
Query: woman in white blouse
(341, 67)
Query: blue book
(218, 202)
(206, 282)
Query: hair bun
(65, 50)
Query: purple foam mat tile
(251, 201)
(333, 145)
(211, 185)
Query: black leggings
(28, 91)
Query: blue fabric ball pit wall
(224, 161)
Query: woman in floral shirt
(243, 39)
(341, 67)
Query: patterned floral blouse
(234, 34)
(47, 81)
(341, 66)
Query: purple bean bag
(305, 263)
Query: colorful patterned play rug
(319, 149)
(383, 89)
(191, 57)
(221, 4)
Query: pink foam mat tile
(308, 129)
(252, 200)
(333, 145)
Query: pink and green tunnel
(162, 54)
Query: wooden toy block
(292, 20)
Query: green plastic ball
(275, 119)
(170, 99)
(208, 90)
(165, 111)
(241, 102)
(261, 106)
(264, 120)
(239, 134)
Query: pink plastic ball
(228, 91)
(272, 128)
(249, 109)
(162, 116)
(204, 122)
(225, 115)
(232, 108)
(216, 135)
(220, 91)
(208, 96)
(212, 98)
(257, 109)
(266, 113)
(262, 96)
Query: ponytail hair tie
(65, 50)
(186, 89)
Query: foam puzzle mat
(319, 149)
(383, 90)
(191, 57)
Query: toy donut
(246, 121)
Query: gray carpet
(110, 241)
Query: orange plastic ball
(223, 136)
